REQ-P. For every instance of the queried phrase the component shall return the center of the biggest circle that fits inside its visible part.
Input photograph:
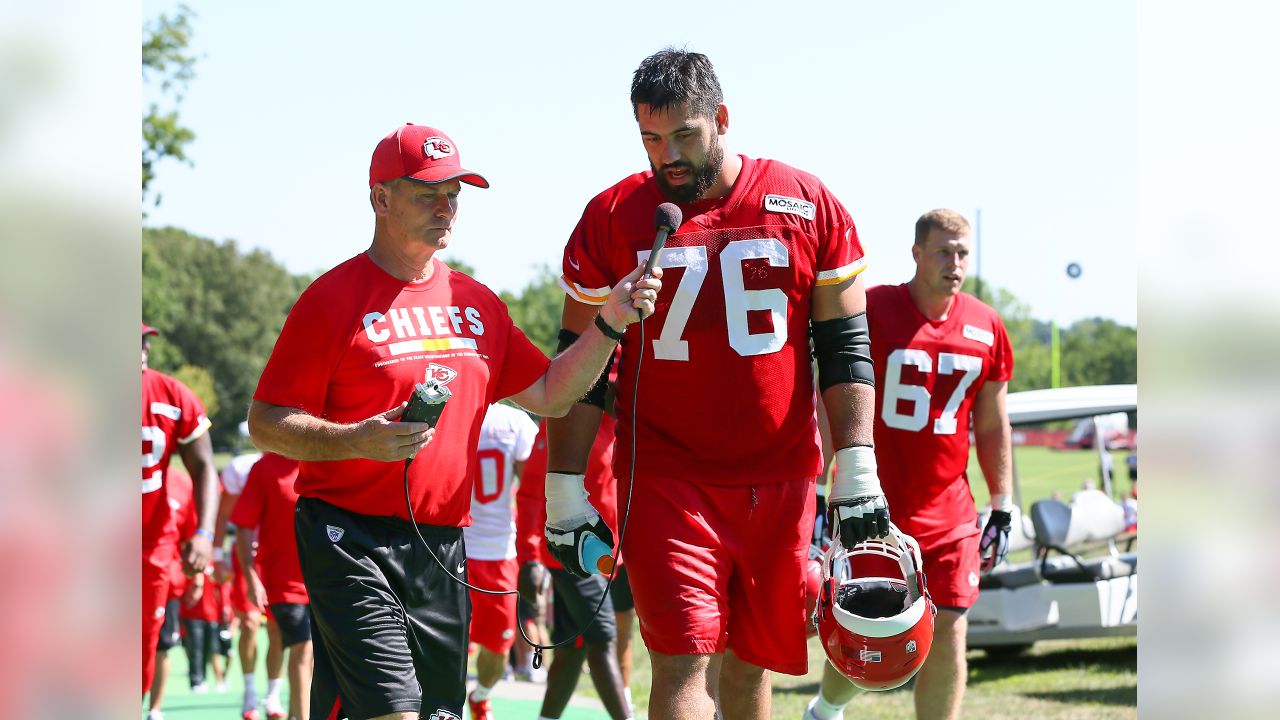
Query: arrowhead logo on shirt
(335, 533)
(443, 715)
(442, 374)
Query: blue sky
(1024, 110)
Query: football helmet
(874, 613)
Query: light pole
(1055, 347)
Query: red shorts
(493, 617)
(715, 567)
(951, 570)
(156, 564)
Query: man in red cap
(390, 619)
(172, 417)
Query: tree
(1099, 351)
(167, 61)
(217, 308)
(537, 309)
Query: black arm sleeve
(842, 348)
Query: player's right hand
(566, 544)
(384, 439)
(858, 507)
(532, 578)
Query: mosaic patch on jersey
(986, 337)
(790, 206)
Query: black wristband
(608, 331)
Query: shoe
(250, 714)
(479, 710)
(199, 688)
(273, 708)
(809, 714)
(155, 715)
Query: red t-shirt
(184, 515)
(730, 337)
(357, 342)
(209, 606)
(531, 494)
(171, 414)
(266, 504)
(927, 376)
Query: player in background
(248, 617)
(943, 363)
(180, 489)
(574, 598)
(506, 439)
(274, 579)
(172, 418)
(765, 257)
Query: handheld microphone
(666, 220)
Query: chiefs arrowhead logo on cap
(437, 147)
(440, 373)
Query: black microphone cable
(622, 533)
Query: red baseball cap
(419, 153)
(148, 330)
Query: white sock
(481, 693)
(824, 710)
(626, 692)
(250, 690)
(273, 687)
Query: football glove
(994, 545)
(857, 503)
(570, 519)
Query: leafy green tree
(1099, 351)
(537, 309)
(217, 308)
(166, 61)
(201, 383)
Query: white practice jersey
(236, 473)
(506, 437)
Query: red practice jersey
(531, 496)
(927, 376)
(357, 342)
(171, 414)
(182, 505)
(266, 504)
(730, 336)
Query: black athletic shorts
(620, 591)
(170, 631)
(388, 627)
(575, 600)
(294, 621)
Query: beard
(703, 177)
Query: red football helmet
(876, 628)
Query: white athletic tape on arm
(855, 474)
(567, 505)
(1002, 502)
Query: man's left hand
(196, 553)
(994, 545)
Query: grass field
(1092, 679)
